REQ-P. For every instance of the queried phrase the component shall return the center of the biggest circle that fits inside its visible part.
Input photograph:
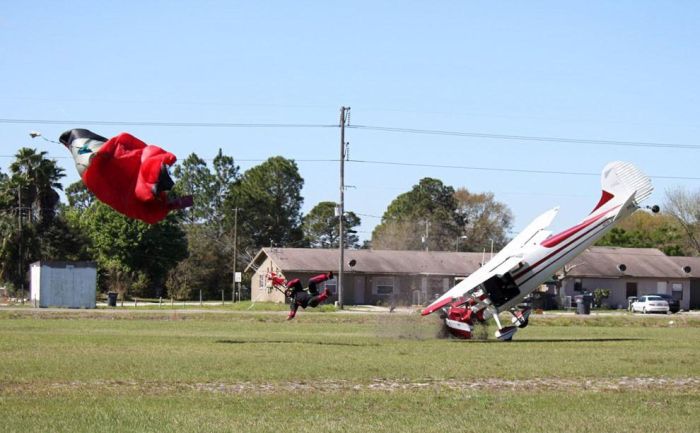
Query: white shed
(63, 284)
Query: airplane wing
(501, 263)
(530, 234)
(479, 276)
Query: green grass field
(177, 371)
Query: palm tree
(27, 195)
(36, 180)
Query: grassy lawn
(83, 371)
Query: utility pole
(427, 234)
(19, 219)
(344, 112)
(235, 254)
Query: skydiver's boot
(180, 202)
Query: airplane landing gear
(506, 334)
(520, 316)
(461, 316)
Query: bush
(599, 295)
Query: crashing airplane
(534, 256)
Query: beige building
(415, 277)
(377, 277)
(632, 272)
(691, 268)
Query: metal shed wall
(63, 284)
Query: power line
(525, 137)
(167, 124)
(471, 134)
(446, 166)
(510, 170)
(367, 215)
(204, 159)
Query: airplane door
(359, 290)
(501, 289)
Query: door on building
(694, 301)
(359, 290)
(631, 289)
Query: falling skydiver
(300, 297)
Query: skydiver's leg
(313, 281)
(292, 310)
(312, 287)
(313, 302)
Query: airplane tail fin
(622, 180)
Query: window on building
(385, 289)
(631, 289)
(677, 291)
(578, 285)
(383, 286)
(261, 282)
(661, 287)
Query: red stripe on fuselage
(561, 237)
(515, 277)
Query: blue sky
(622, 71)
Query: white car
(650, 304)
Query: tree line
(237, 213)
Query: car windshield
(654, 298)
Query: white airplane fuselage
(535, 255)
(540, 262)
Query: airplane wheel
(524, 324)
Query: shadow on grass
(320, 343)
(555, 340)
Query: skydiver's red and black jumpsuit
(301, 298)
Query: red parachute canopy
(125, 173)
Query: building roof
(691, 264)
(604, 262)
(372, 261)
(64, 264)
(595, 262)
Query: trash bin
(583, 303)
(111, 299)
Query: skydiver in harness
(300, 297)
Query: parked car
(674, 305)
(650, 304)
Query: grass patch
(84, 371)
(618, 320)
(424, 411)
